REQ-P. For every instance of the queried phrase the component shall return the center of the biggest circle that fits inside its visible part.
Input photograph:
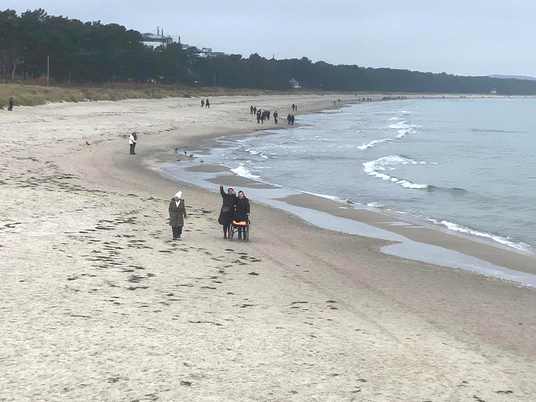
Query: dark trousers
(241, 232)
(226, 230)
(132, 147)
(177, 231)
(10, 107)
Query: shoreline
(99, 303)
(471, 252)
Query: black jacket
(241, 210)
(228, 202)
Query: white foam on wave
(403, 128)
(400, 125)
(329, 197)
(377, 168)
(243, 172)
(252, 151)
(373, 143)
(499, 239)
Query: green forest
(96, 53)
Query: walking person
(275, 116)
(258, 116)
(202, 103)
(207, 103)
(133, 140)
(227, 210)
(241, 213)
(177, 215)
(10, 105)
(289, 118)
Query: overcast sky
(465, 37)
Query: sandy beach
(99, 304)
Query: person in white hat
(177, 215)
(132, 140)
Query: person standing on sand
(241, 213)
(10, 105)
(202, 103)
(289, 117)
(207, 103)
(177, 215)
(133, 140)
(251, 109)
(275, 116)
(227, 210)
(258, 116)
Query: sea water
(467, 165)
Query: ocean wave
(377, 168)
(252, 151)
(329, 197)
(451, 190)
(400, 125)
(482, 130)
(243, 172)
(499, 239)
(373, 143)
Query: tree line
(92, 52)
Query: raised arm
(221, 191)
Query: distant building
(295, 84)
(207, 52)
(493, 91)
(159, 39)
(154, 41)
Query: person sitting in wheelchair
(241, 214)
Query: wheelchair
(234, 229)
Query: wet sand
(98, 303)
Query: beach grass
(33, 95)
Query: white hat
(179, 195)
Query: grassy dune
(32, 95)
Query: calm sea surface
(465, 164)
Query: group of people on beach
(205, 103)
(235, 210)
(290, 119)
(263, 115)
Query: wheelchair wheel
(246, 235)
(231, 232)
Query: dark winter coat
(177, 214)
(226, 219)
(241, 209)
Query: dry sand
(98, 304)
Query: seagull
(350, 202)
(87, 143)
(185, 153)
(201, 161)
